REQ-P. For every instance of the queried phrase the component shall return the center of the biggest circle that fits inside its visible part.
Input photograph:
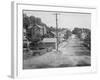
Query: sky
(65, 20)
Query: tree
(26, 21)
(30, 24)
(87, 39)
(67, 34)
(77, 32)
(32, 20)
(87, 36)
(38, 21)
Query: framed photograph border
(17, 53)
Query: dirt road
(71, 53)
(73, 46)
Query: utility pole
(56, 16)
(57, 31)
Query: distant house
(61, 35)
(49, 42)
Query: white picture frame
(17, 54)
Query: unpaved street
(70, 53)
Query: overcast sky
(65, 20)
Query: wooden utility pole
(56, 15)
(57, 30)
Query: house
(61, 35)
(38, 29)
(50, 42)
(42, 29)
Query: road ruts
(73, 46)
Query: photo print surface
(56, 39)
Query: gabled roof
(39, 26)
